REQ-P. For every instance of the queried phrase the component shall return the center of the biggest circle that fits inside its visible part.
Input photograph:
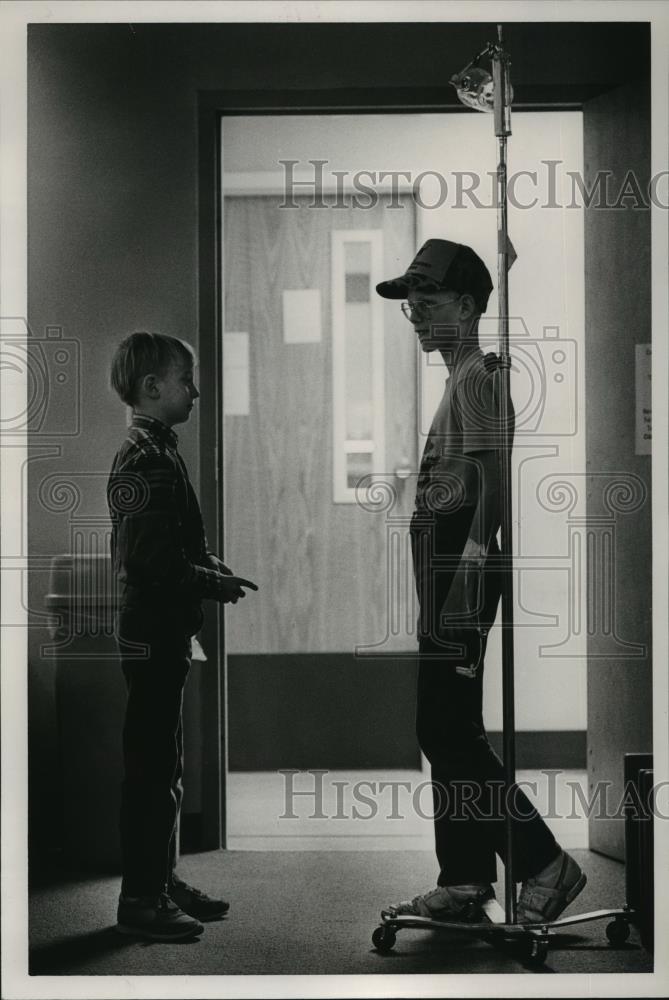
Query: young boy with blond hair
(164, 570)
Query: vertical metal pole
(502, 111)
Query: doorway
(320, 663)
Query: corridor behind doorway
(324, 386)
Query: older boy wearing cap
(164, 568)
(454, 545)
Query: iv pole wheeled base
(530, 941)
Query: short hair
(143, 354)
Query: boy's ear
(467, 305)
(149, 385)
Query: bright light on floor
(373, 810)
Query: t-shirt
(466, 421)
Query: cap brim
(394, 288)
(399, 288)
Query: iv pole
(474, 89)
(502, 113)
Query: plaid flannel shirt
(159, 547)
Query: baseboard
(563, 748)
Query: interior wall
(618, 317)
(112, 184)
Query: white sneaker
(546, 895)
(444, 903)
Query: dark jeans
(152, 752)
(467, 775)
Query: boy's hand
(230, 589)
(217, 564)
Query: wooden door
(334, 574)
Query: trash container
(90, 705)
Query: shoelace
(184, 887)
(165, 903)
(428, 894)
(526, 889)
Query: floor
(300, 906)
(373, 810)
(310, 913)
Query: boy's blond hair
(143, 354)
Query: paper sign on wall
(236, 391)
(302, 316)
(644, 436)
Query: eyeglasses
(421, 309)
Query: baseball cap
(442, 264)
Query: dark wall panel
(328, 710)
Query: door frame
(212, 107)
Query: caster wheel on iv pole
(618, 932)
(536, 950)
(384, 939)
